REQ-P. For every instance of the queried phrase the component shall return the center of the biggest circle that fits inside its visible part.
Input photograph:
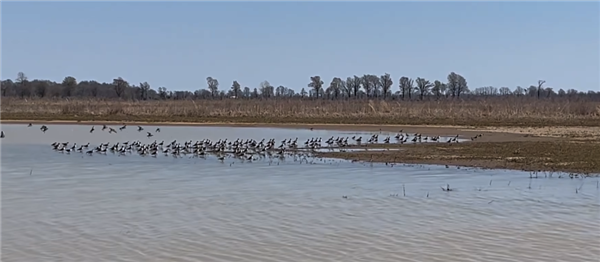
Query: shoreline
(558, 148)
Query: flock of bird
(112, 130)
(245, 149)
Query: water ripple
(110, 208)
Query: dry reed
(501, 111)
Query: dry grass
(504, 111)
(560, 155)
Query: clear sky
(178, 45)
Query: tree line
(367, 86)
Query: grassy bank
(505, 111)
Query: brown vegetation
(486, 111)
(547, 155)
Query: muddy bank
(542, 155)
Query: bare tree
(22, 84)
(504, 91)
(236, 88)
(438, 89)
(404, 86)
(347, 87)
(375, 85)
(144, 89)
(462, 86)
(316, 84)
(423, 86)
(120, 86)
(213, 86)
(367, 85)
(386, 84)
(353, 85)
(281, 91)
(162, 92)
(266, 89)
(336, 87)
(539, 87)
(453, 84)
(519, 91)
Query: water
(75, 207)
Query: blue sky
(178, 45)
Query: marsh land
(513, 133)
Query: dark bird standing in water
(140, 129)
(2, 134)
(92, 130)
(104, 127)
(29, 125)
(149, 134)
(44, 128)
(157, 130)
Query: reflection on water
(74, 207)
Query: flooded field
(127, 206)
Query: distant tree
(22, 84)
(41, 88)
(6, 85)
(316, 84)
(549, 92)
(453, 84)
(280, 91)
(266, 89)
(406, 87)
(423, 86)
(386, 84)
(462, 86)
(213, 86)
(303, 92)
(144, 90)
(236, 89)
(336, 87)
(504, 91)
(539, 87)
(120, 86)
(69, 84)
(353, 85)
(519, 91)
(532, 90)
(438, 89)
(162, 92)
(375, 85)
(367, 85)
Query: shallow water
(75, 207)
